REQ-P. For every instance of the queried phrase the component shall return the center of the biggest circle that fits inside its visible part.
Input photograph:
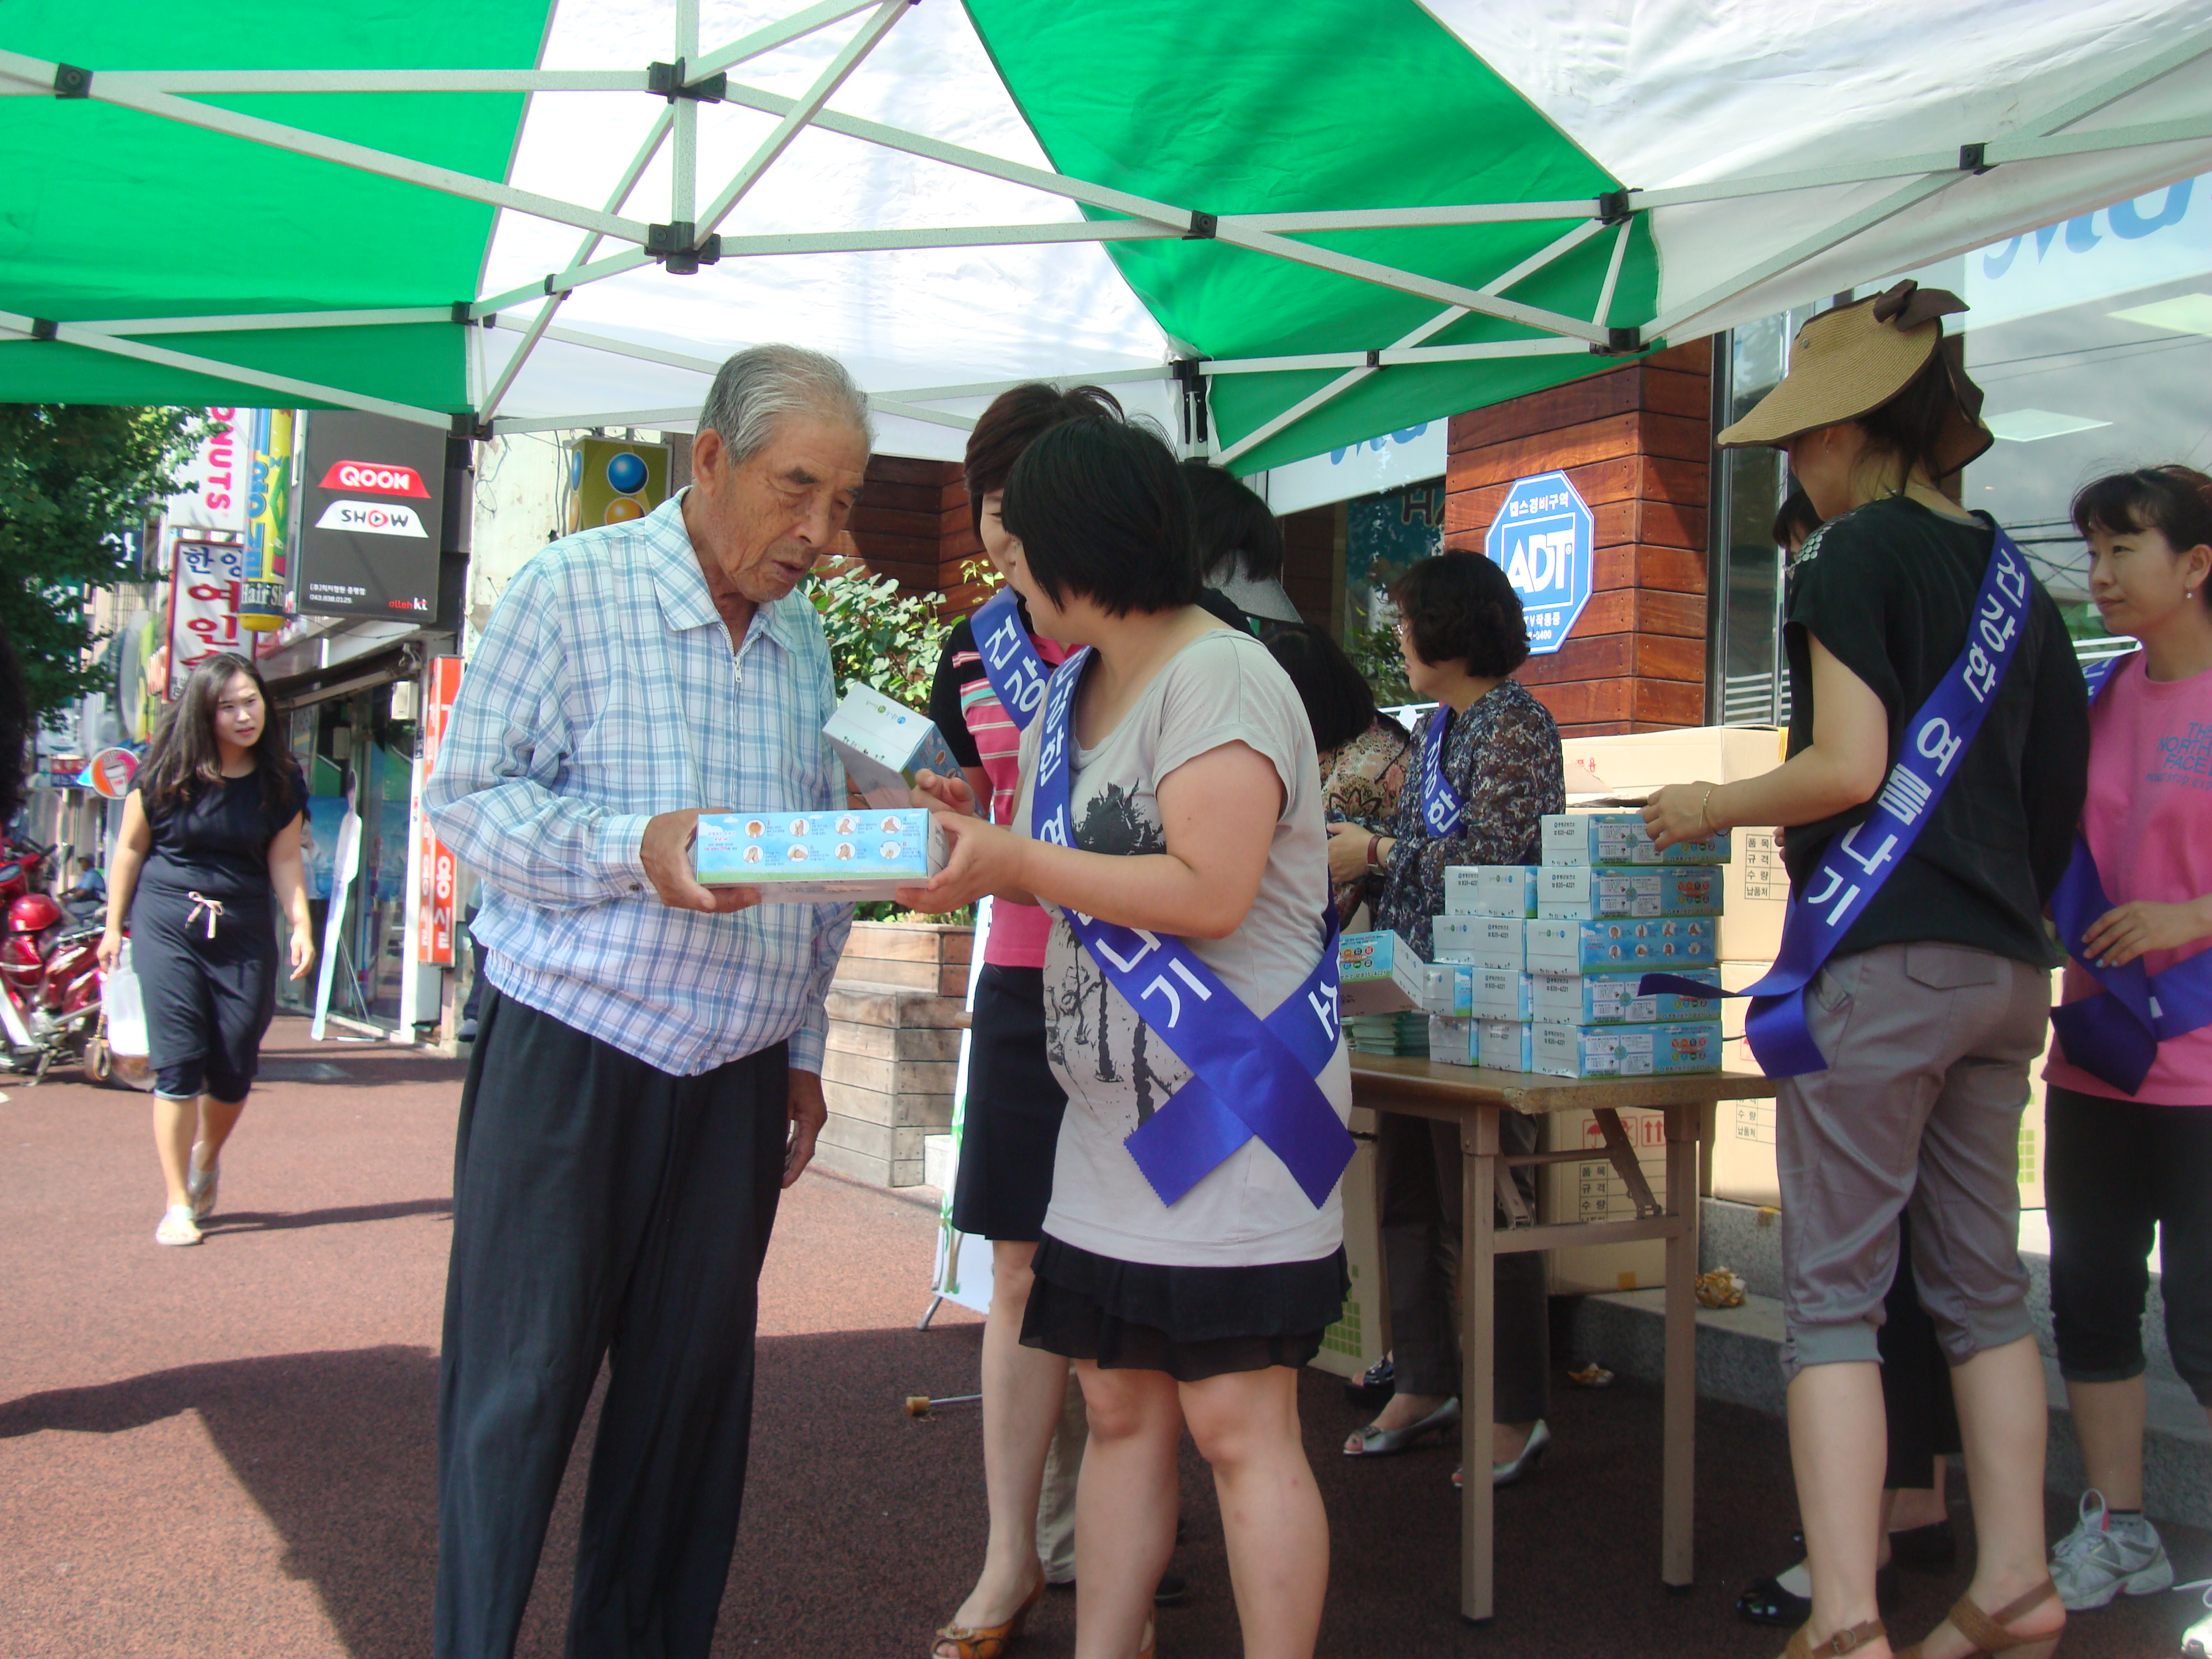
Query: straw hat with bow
(1848, 363)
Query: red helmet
(32, 913)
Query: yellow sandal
(1987, 1633)
(987, 1641)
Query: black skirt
(1190, 1322)
(208, 1001)
(1010, 1128)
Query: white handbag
(125, 1009)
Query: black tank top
(218, 843)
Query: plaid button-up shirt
(604, 691)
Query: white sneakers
(177, 1226)
(2197, 1640)
(2103, 1557)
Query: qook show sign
(1543, 538)
(372, 493)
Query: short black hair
(1101, 510)
(1231, 521)
(1796, 518)
(1339, 703)
(1458, 605)
(2174, 501)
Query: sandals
(200, 1183)
(1844, 1641)
(1383, 1442)
(1987, 1633)
(987, 1641)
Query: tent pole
(683, 154)
(1613, 274)
(311, 392)
(236, 323)
(932, 394)
(767, 39)
(842, 65)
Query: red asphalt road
(230, 1450)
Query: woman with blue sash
(1938, 744)
(1488, 768)
(1170, 817)
(2128, 1111)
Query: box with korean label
(1592, 947)
(884, 744)
(1616, 999)
(1377, 973)
(807, 857)
(1592, 892)
(1450, 989)
(1621, 838)
(1498, 890)
(1483, 941)
(1500, 994)
(1674, 1049)
(1502, 1045)
(1451, 1041)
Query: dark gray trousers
(602, 1209)
(1418, 1174)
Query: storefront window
(1383, 536)
(2093, 339)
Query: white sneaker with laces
(2101, 1558)
(2197, 1640)
(177, 1226)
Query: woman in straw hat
(1938, 752)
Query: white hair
(762, 384)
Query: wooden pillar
(1636, 444)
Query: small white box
(1462, 889)
(1502, 1045)
(1595, 892)
(1621, 838)
(1451, 1041)
(1670, 1050)
(813, 858)
(1585, 947)
(1506, 889)
(1449, 990)
(1500, 994)
(1482, 941)
(1377, 973)
(882, 744)
(1617, 999)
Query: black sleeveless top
(217, 842)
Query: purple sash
(1851, 873)
(1249, 1076)
(2114, 1035)
(1010, 662)
(1440, 806)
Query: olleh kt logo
(372, 518)
(375, 478)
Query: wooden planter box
(896, 1010)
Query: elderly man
(646, 1076)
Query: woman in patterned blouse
(1462, 634)
(1363, 752)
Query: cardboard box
(1757, 896)
(1615, 999)
(882, 744)
(1502, 1045)
(1591, 1189)
(1500, 994)
(1635, 764)
(810, 858)
(1480, 941)
(1678, 1049)
(1583, 947)
(1377, 973)
(1462, 889)
(1361, 1335)
(1500, 889)
(1595, 838)
(1590, 893)
(1451, 1041)
(1449, 990)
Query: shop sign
(215, 476)
(2163, 237)
(437, 871)
(110, 773)
(204, 578)
(374, 490)
(1543, 538)
(261, 596)
(1406, 456)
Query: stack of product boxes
(1555, 951)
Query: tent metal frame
(691, 236)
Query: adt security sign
(1543, 538)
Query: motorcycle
(51, 983)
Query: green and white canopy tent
(1321, 220)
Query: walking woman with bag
(212, 827)
(1939, 736)
(1171, 814)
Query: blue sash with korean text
(1249, 1076)
(1441, 806)
(1856, 863)
(2114, 1035)
(1010, 662)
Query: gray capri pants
(1928, 1047)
